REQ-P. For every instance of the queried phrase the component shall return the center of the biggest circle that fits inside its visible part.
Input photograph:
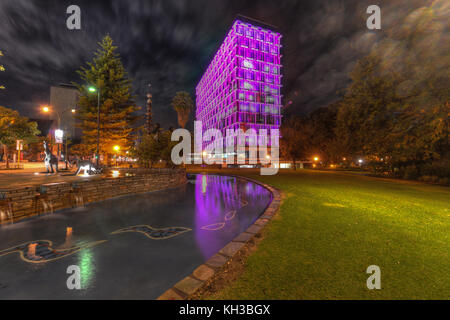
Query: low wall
(29, 201)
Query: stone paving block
(231, 248)
(261, 222)
(244, 237)
(216, 261)
(188, 285)
(203, 272)
(254, 229)
(170, 295)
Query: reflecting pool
(133, 247)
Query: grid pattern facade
(241, 88)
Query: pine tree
(117, 106)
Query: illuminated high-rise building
(241, 88)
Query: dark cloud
(169, 44)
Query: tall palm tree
(183, 104)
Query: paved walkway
(35, 174)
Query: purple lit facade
(241, 88)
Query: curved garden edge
(207, 274)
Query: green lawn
(332, 226)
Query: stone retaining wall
(29, 201)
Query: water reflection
(225, 207)
(212, 210)
(86, 267)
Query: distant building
(64, 98)
(241, 88)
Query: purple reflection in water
(225, 207)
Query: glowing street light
(316, 158)
(59, 134)
(116, 149)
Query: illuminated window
(248, 64)
(248, 86)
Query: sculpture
(88, 167)
(50, 160)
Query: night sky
(170, 43)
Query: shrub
(440, 169)
(410, 172)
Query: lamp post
(116, 149)
(47, 109)
(93, 89)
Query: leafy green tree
(324, 142)
(183, 104)
(117, 106)
(154, 148)
(366, 115)
(15, 127)
(296, 139)
(397, 105)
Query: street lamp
(59, 132)
(46, 109)
(116, 149)
(94, 89)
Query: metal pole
(66, 158)
(59, 127)
(98, 125)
